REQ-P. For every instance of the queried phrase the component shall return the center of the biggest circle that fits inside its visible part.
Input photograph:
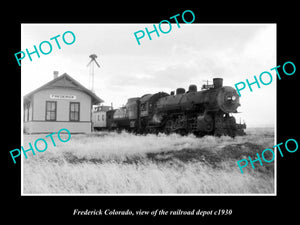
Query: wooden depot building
(61, 103)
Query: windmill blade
(97, 63)
(89, 63)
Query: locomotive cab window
(143, 107)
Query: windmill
(91, 64)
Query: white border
(224, 194)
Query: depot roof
(65, 81)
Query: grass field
(112, 163)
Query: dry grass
(111, 163)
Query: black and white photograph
(150, 113)
(157, 116)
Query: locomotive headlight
(230, 97)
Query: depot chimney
(55, 74)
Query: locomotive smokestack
(218, 82)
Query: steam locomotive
(205, 112)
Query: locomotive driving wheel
(169, 126)
(181, 131)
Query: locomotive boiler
(205, 112)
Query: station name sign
(62, 97)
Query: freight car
(205, 112)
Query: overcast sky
(187, 55)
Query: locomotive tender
(205, 112)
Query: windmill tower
(91, 77)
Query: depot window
(51, 110)
(74, 111)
